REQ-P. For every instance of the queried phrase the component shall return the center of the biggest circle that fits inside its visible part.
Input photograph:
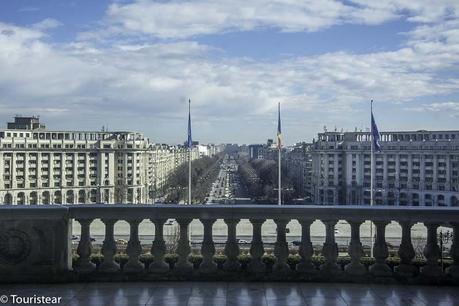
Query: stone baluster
(355, 249)
(330, 249)
(453, 270)
(208, 249)
(134, 249)
(281, 247)
(231, 247)
(306, 249)
(380, 251)
(183, 264)
(406, 252)
(109, 248)
(257, 250)
(84, 250)
(432, 253)
(158, 248)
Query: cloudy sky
(133, 65)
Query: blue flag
(374, 131)
(190, 141)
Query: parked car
(121, 241)
(296, 242)
(242, 241)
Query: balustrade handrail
(441, 215)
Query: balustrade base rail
(220, 275)
(35, 245)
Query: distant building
(256, 151)
(418, 168)
(25, 123)
(298, 164)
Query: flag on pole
(374, 131)
(190, 141)
(279, 131)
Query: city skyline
(112, 66)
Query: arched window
(8, 199)
(454, 201)
(33, 199)
(45, 198)
(21, 198)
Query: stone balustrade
(32, 236)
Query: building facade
(40, 166)
(412, 169)
(298, 163)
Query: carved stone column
(208, 249)
(380, 251)
(355, 249)
(306, 249)
(134, 249)
(231, 247)
(257, 250)
(432, 253)
(84, 250)
(330, 249)
(109, 248)
(183, 264)
(158, 248)
(406, 252)
(281, 248)
(453, 270)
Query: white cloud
(183, 19)
(451, 108)
(46, 24)
(144, 85)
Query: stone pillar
(158, 248)
(355, 249)
(281, 248)
(306, 249)
(84, 250)
(432, 253)
(109, 248)
(208, 249)
(134, 249)
(330, 249)
(183, 265)
(231, 247)
(406, 252)
(380, 251)
(453, 270)
(257, 251)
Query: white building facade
(413, 168)
(40, 166)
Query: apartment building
(298, 164)
(419, 168)
(40, 166)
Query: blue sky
(132, 65)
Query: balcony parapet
(35, 244)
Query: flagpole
(189, 153)
(279, 148)
(279, 201)
(190, 146)
(371, 183)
